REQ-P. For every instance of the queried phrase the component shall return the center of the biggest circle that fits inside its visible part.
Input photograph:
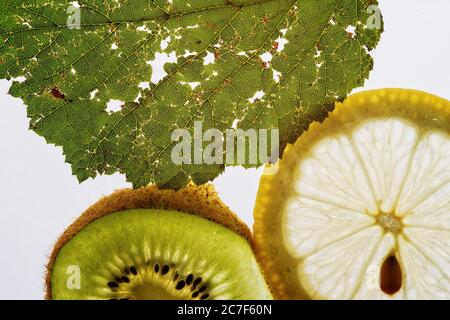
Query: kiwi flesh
(156, 244)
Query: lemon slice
(360, 205)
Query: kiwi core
(155, 282)
(153, 291)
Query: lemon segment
(371, 183)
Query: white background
(39, 197)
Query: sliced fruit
(152, 244)
(360, 206)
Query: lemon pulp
(368, 188)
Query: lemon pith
(370, 183)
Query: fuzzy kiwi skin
(201, 201)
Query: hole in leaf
(114, 105)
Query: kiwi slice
(154, 244)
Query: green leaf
(217, 53)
